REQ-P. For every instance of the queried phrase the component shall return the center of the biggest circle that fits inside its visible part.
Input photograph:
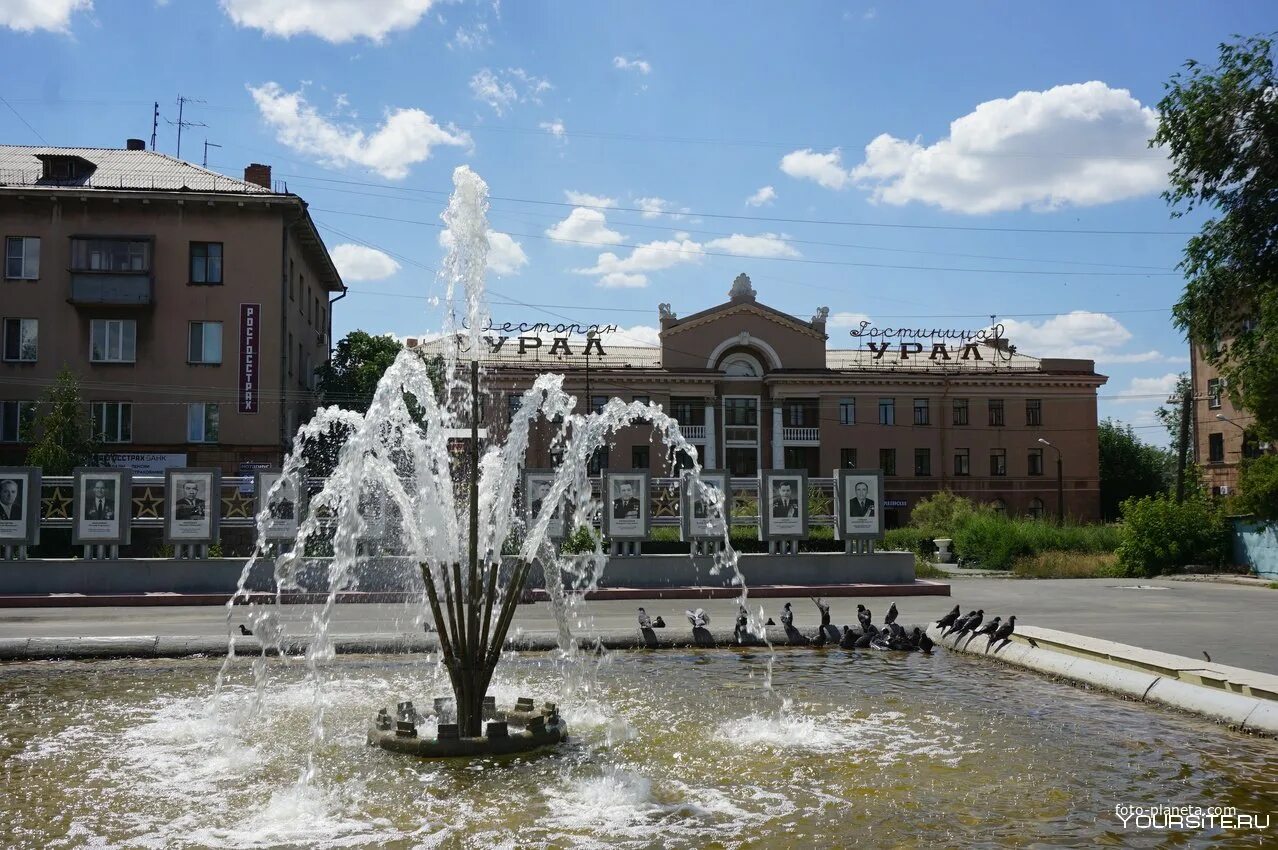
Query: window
(887, 411)
(1035, 461)
(597, 402)
(204, 342)
(887, 461)
(290, 355)
(847, 411)
(301, 365)
(22, 258)
(1216, 448)
(682, 410)
(996, 411)
(922, 412)
(998, 462)
(14, 417)
(301, 288)
(640, 399)
(1214, 387)
(1036, 508)
(112, 421)
(598, 462)
(118, 256)
(206, 262)
(21, 340)
(740, 411)
(962, 462)
(201, 423)
(960, 411)
(292, 280)
(113, 340)
(922, 462)
(1033, 411)
(847, 458)
(741, 366)
(639, 457)
(1250, 446)
(513, 403)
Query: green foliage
(942, 513)
(1219, 127)
(65, 441)
(1258, 487)
(1054, 564)
(1129, 468)
(1159, 535)
(582, 541)
(996, 541)
(359, 361)
(910, 539)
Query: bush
(1159, 535)
(580, 542)
(1258, 487)
(943, 513)
(996, 541)
(910, 539)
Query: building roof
(114, 169)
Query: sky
(920, 164)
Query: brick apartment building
(192, 307)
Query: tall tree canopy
(64, 441)
(1128, 467)
(1220, 128)
(359, 362)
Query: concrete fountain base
(538, 730)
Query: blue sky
(630, 147)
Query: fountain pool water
(668, 750)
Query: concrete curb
(1248, 713)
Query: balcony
(128, 289)
(693, 433)
(806, 436)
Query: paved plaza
(1179, 617)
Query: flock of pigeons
(866, 635)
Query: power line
(24, 121)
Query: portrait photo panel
(19, 505)
(626, 509)
(192, 505)
(783, 504)
(286, 505)
(537, 484)
(699, 521)
(103, 506)
(859, 495)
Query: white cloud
(764, 196)
(1073, 145)
(332, 20)
(473, 38)
(636, 64)
(359, 262)
(656, 207)
(1143, 390)
(555, 128)
(621, 280)
(31, 15)
(635, 335)
(587, 200)
(1080, 334)
(760, 245)
(502, 89)
(845, 320)
(404, 138)
(615, 271)
(505, 255)
(825, 169)
(1152, 356)
(585, 225)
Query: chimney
(134, 145)
(258, 174)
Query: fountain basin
(528, 740)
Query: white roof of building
(116, 169)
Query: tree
(350, 378)
(65, 441)
(1129, 468)
(1258, 487)
(1220, 128)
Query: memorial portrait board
(783, 504)
(626, 511)
(19, 505)
(537, 484)
(103, 506)
(858, 494)
(699, 518)
(285, 504)
(193, 505)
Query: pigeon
(849, 638)
(699, 618)
(824, 608)
(245, 630)
(770, 622)
(924, 642)
(820, 638)
(962, 622)
(787, 616)
(949, 619)
(658, 623)
(972, 621)
(645, 622)
(863, 642)
(743, 622)
(863, 615)
(1205, 655)
(890, 617)
(988, 629)
(1002, 633)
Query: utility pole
(207, 145)
(180, 123)
(155, 123)
(1186, 411)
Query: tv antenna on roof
(207, 145)
(182, 102)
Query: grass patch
(923, 568)
(1058, 564)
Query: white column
(707, 455)
(778, 452)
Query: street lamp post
(1060, 483)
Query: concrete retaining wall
(804, 568)
(1256, 546)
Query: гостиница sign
(961, 343)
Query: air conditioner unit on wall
(1224, 489)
